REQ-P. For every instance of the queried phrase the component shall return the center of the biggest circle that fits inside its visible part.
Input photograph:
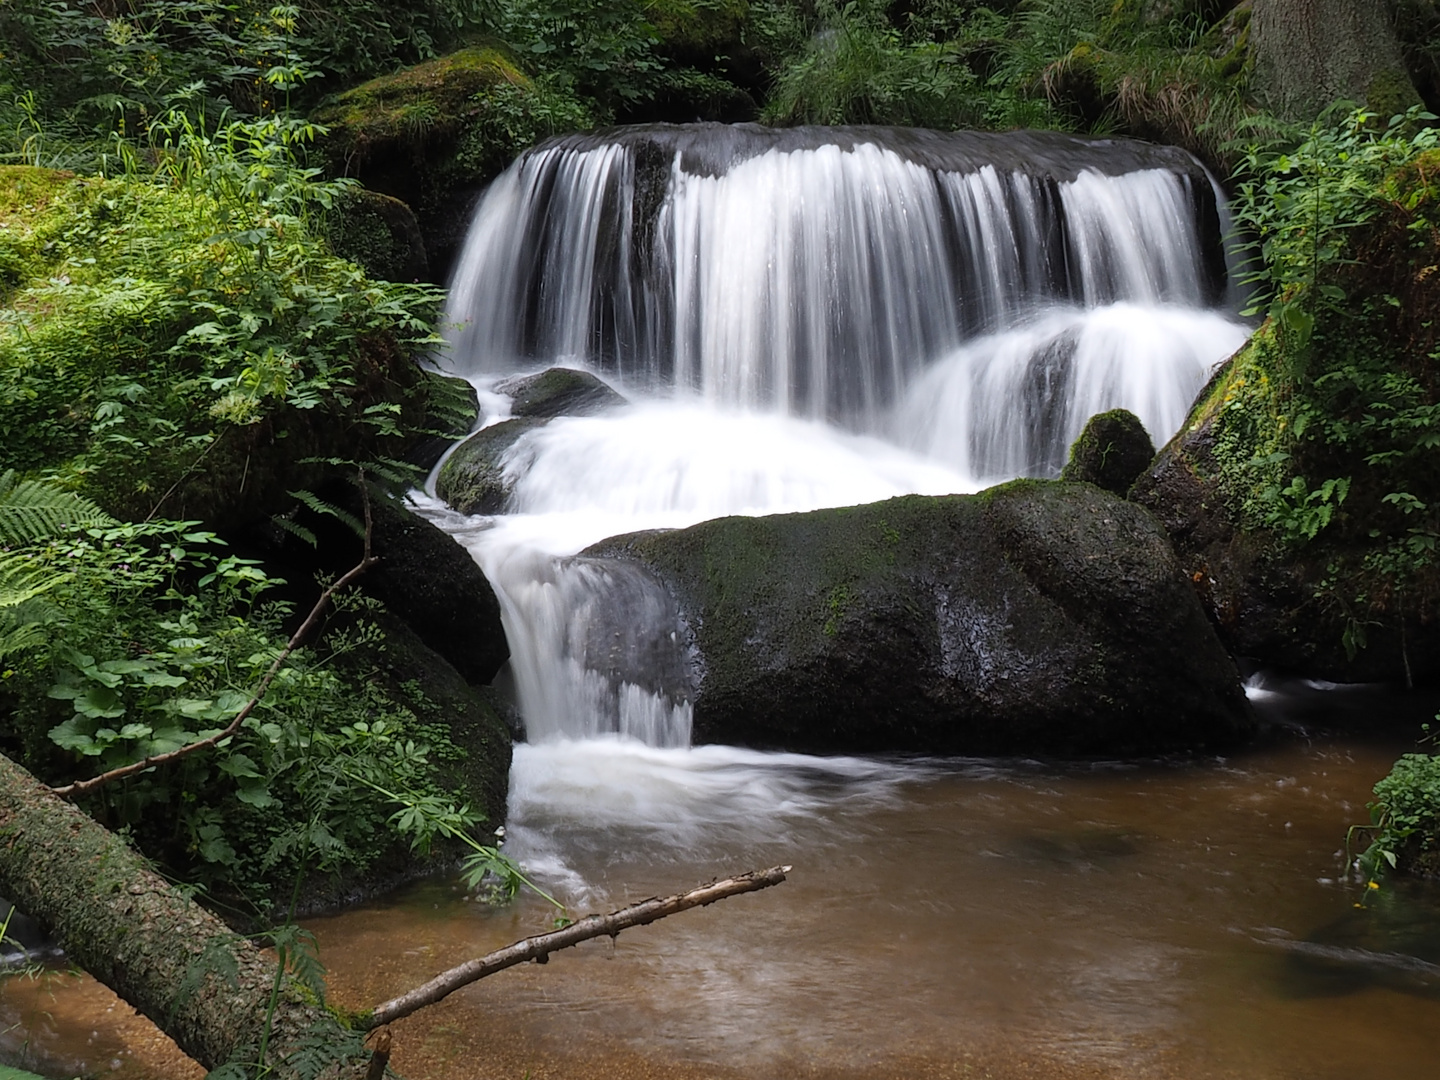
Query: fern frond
(22, 581)
(32, 510)
(320, 506)
(300, 532)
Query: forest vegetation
(213, 311)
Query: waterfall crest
(818, 280)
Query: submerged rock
(558, 392)
(1111, 452)
(1034, 617)
(472, 480)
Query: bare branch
(367, 560)
(539, 947)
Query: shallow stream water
(944, 918)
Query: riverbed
(1179, 918)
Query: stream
(1186, 918)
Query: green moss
(697, 25)
(430, 99)
(1113, 449)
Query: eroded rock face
(1036, 617)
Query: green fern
(32, 510)
(23, 616)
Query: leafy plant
(1405, 818)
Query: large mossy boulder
(1036, 617)
(435, 134)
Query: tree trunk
(207, 987)
(1310, 53)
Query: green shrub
(1331, 419)
(195, 316)
(148, 637)
(1406, 816)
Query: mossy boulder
(434, 134)
(558, 392)
(452, 410)
(381, 234)
(1036, 617)
(1112, 451)
(473, 480)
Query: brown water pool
(944, 919)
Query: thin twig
(539, 947)
(367, 560)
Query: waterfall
(803, 318)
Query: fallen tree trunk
(205, 986)
(539, 947)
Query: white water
(801, 329)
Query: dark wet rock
(1034, 617)
(426, 578)
(423, 575)
(1111, 452)
(472, 480)
(452, 408)
(380, 233)
(558, 392)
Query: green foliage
(1094, 66)
(1405, 816)
(156, 638)
(159, 310)
(1328, 423)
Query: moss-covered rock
(1303, 492)
(472, 480)
(434, 134)
(558, 392)
(380, 234)
(1034, 617)
(1112, 451)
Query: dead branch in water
(539, 947)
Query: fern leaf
(320, 506)
(298, 531)
(32, 510)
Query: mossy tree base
(202, 984)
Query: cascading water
(802, 318)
